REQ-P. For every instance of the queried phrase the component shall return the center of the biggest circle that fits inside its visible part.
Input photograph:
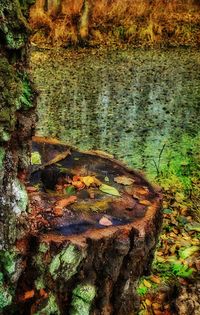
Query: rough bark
(16, 126)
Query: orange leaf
(43, 293)
(155, 279)
(60, 204)
(28, 295)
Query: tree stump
(89, 244)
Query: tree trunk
(84, 21)
(16, 126)
(88, 258)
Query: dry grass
(138, 22)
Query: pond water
(139, 105)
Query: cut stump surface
(94, 226)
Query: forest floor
(173, 287)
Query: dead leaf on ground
(155, 279)
(105, 221)
(109, 190)
(124, 180)
(88, 180)
(60, 204)
(28, 295)
(147, 283)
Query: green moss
(85, 291)
(83, 296)
(54, 266)
(39, 283)
(8, 262)
(65, 263)
(5, 298)
(51, 308)
(2, 156)
(43, 248)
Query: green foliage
(70, 190)
(181, 270)
(188, 251)
(142, 290)
(174, 268)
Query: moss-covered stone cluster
(58, 268)
(11, 268)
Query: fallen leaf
(35, 158)
(145, 202)
(58, 158)
(43, 293)
(148, 302)
(147, 283)
(156, 306)
(109, 190)
(187, 252)
(28, 295)
(155, 279)
(70, 190)
(58, 209)
(194, 226)
(105, 221)
(88, 180)
(124, 180)
(78, 184)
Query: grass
(137, 22)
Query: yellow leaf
(155, 279)
(145, 202)
(109, 190)
(148, 302)
(88, 180)
(35, 158)
(147, 283)
(124, 180)
(160, 259)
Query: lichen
(82, 298)
(2, 156)
(43, 247)
(5, 297)
(39, 283)
(20, 200)
(65, 263)
(8, 262)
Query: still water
(135, 104)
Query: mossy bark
(17, 99)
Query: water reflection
(128, 103)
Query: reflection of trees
(101, 103)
